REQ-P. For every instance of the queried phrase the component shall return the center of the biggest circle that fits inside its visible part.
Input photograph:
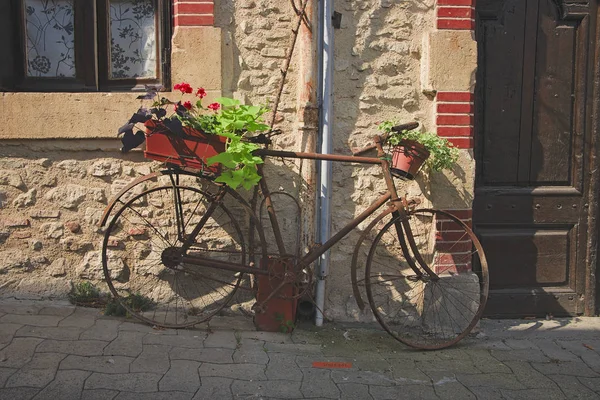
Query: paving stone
(248, 372)
(18, 393)
(565, 368)
(174, 340)
(105, 364)
(7, 331)
(308, 360)
(157, 396)
(214, 355)
(483, 361)
(532, 355)
(588, 355)
(402, 392)
(520, 344)
(271, 389)
(576, 347)
(592, 383)
(489, 344)
(554, 351)
(33, 320)
(446, 386)
(363, 377)
(66, 385)
(318, 382)
(500, 381)
(485, 393)
(192, 333)
(103, 329)
(38, 378)
(293, 348)
(182, 376)
(453, 353)
(529, 376)
(354, 391)
(409, 376)
(44, 361)
(19, 352)
(76, 347)
(251, 351)
(99, 394)
(126, 344)
(222, 339)
(60, 310)
(573, 388)
(133, 382)
(58, 333)
(153, 358)
(275, 337)
(533, 394)
(239, 323)
(5, 373)
(138, 326)
(465, 367)
(23, 307)
(214, 388)
(282, 366)
(81, 318)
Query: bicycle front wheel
(427, 279)
(142, 248)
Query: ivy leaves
(234, 121)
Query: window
(84, 45)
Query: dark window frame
(92, 52)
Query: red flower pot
(191, 151)
(407, 158)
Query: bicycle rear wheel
(427, 310)
(141, 250)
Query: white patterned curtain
(133, 39)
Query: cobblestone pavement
(51, 350)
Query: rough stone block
(449, 60)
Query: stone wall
(52, 195)
(52, 192)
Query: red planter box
(190, 151)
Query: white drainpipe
(324, 170)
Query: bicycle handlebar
(397, 128)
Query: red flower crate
(191, 151)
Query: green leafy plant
(225, 117)
(86, 294)
(285, 325)
(134, 301)
(443, 154)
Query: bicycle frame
(403, 229)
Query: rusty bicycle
(176, 253)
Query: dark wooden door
(533, 126)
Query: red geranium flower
(201, 93)
(214, 106)
(183, 87)
(188, 105)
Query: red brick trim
(455, 117)
(455, 14)
(453, 249)
(193, 12)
